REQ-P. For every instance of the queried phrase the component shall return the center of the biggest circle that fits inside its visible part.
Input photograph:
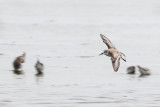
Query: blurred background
(65, 36)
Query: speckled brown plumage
(113, 53)
(17, 64)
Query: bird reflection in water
(18, 72)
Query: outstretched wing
(107, 42)
(123, 56)
(116, 63)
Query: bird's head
(105, 52)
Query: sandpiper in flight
(113, 53)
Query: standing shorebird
(39, 67)
(143, 70)
(131, 70)
(17, 64)
(113, 53)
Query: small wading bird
(113, 53)
(39, 67)
(143, 70)
(131, 70)
(17, 64)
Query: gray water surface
(64, 35)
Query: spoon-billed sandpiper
(18, 61)
(143, 70)
(39, 67)
(131, 70)
(113, 53)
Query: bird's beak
(125, 60)
(101, 54)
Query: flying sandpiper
(113, 53)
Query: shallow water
(64, 35)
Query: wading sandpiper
(17, 64)
(39, 67)
(131, 70)
(143, 70)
